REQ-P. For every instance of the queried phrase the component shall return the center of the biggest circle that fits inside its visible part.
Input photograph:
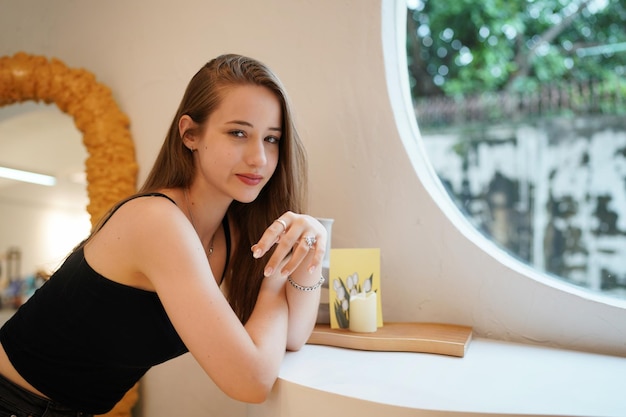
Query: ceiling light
(26, 176)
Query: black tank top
(84, 340)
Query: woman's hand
(296, 236)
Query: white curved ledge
(494, 378)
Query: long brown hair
(286, 190)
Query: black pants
(15, 401)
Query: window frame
(393, 32)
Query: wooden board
(443, 339)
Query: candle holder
(363, 308)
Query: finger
(300, 251)
(286, 246)
(318, 255)
(271, 235)
(282, 223)
(308, 253)
(310, 241)
(295, 236)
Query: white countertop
(495, 378)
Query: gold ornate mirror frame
(110, 166)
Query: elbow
(259, 397)
(294, 346)
(296, 340)
(253, 395)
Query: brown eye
(272, 139)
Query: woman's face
(237, 153)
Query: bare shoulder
(141, 217)
(141, 231)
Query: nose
(255, 153)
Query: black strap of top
(225, 224)
(153, 195)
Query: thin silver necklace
(193, 223)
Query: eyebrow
(242, 122)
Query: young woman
(209, 257)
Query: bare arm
(303, 305)
(303, 264)
(243, 361)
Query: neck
(207, 239)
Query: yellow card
(352, 271)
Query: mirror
(40, 223)
(110, 166)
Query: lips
(250, 179)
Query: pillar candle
(363, 312)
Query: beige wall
(329, 54)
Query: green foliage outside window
(462, 47)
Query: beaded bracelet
(303, 288)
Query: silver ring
(310, 241)
(282, 222)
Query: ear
(187, 129)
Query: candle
(363, 312)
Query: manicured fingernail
(268, 271)
(257, 253)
